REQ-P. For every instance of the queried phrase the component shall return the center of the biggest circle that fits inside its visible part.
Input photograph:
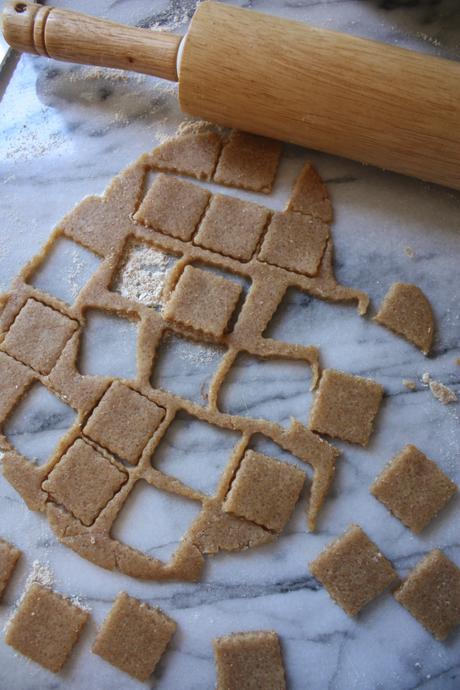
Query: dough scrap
(106, 226)
(345, 406)
(203, 301)
(249, 162)
(295, 241)
(38, 336)
(413, 488)
(45, 627)
(353, 570)
(84, 481)
(249, 661)
(310, 195)
(134, 636)
(406, 311)
(431, 593)
(9, 556)
(173, 206)
(264, 491)
(192, 154)
(123, 422)
(232, 227)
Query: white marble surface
(64, 132)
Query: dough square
(84, 481)
(353, 570)
(123, 422)
(264, 491)
(310, 195)
(9, 556)
(413, 488)
(191, 154)
(173, 206)
(295, 241)
(406, 311)
(249, 661)
(38, 335)
(203, 301)
(45, 627)
(134, 636)
(431, 593)
(232, 227)
(345, 406)
(248, 162)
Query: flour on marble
(143, 275)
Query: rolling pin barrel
(364, 100)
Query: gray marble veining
(65, 131)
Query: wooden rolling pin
(368, 101)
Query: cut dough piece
(413, 488)
(84, 481)
(232, 227)
(295, 242)
(264, 491)
(134, 636)
(431, 593)
(203, 301)
(173, 206)
(406, 311)
(193, 154)
(248, 162)
(15, 379)
(353, 570)
(345, 406)
(9, 556)
(45, 627)
(249, 661)
(38, 335)
(310, 195)
(123, 422)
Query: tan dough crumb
(9, 556)
(264, 491)
(345, 406)
(45, 627)
(410, 385)
(249, 661)
(431, 593)
(409, 252)
(442, 393)
(413, 488)
(353, 570)
(134, 636)
(406, 311)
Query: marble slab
(65, 131)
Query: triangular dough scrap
(406, 311)
(193, 154)
(310, 196)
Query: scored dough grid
(106, 226)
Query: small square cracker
(295, 242)
(123, 422)
(173, 206)
(9, 556)
(232, 227)
(134, 636)
(203, 301)
(249, 162)
(45, 627)
(353, 570)
(345, 406)
(38, 336)
(406, 311)
(431, 593)
(264, 491)
(190, 154)
(249, 661)
(413, 488)
(84, 481)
